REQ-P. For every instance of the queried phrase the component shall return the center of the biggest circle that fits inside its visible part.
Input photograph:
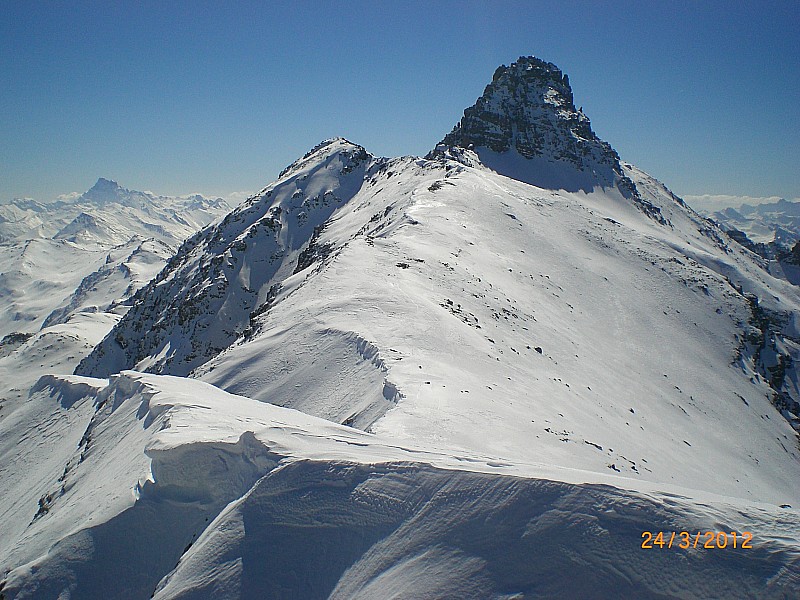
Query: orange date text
(696, 539)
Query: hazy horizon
(199, 97)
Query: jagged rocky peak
(105, 190)
(528, 110)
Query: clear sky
(217, 97)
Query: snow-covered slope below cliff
(466, 309)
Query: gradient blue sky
(217, 97)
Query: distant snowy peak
(770, 229)
(526, 121)
(105, 190)
(109, 215)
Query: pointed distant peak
(351, 155)
(527, 113)
(105, 190)
(105, 184)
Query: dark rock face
(104, 190)
(527, 115)
(528, 106)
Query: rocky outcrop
(528, 107)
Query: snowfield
(484, 373)
(176, 487)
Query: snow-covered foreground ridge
(216, 495)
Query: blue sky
(217, 97)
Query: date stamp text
(689, 539)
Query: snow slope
(453, 291)
(57, 317)
(222, 496)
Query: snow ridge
(218, 495)
(208, 293)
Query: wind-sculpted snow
(336, 375)
(416, 531)
(98, 491)
(216, 495)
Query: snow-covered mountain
(68, 269)
(776, 223)
(108, 214)
(479, 374)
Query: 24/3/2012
(711, 539)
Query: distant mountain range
(108, 214)
(774, 225)
(771, 230)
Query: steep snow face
(220, 278)
(166, 487)
(526, 126)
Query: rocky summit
(528, 108)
